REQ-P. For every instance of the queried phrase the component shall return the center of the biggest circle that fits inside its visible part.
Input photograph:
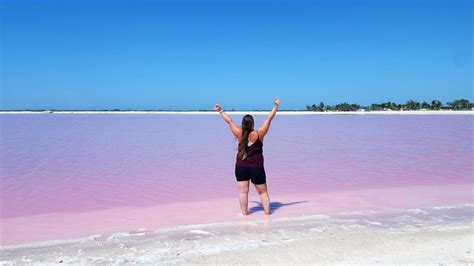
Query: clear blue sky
(192, 54)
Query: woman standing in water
(249, 160)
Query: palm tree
(436, 105)
(412, 105)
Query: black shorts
(256, 174)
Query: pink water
(74, 175)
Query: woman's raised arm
(263, 130)
(233, 127)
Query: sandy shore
(450, 245)
(252, 112)
(441, 235)
(437, 245)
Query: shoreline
(50, 226)
(352, 215)
(412, 112)
(365, 237)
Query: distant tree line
(461, 104)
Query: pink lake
(75, 175)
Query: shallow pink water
(72, 175)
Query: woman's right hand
(217, 107)
(276, 101)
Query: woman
(249, 161)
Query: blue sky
(192, 54)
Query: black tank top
(254, 155)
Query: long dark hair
(247, 126)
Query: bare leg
(244, 196)
(264, 198)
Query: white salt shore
(418, 112)
(448, 244)
(357, 237)
(452, 244)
